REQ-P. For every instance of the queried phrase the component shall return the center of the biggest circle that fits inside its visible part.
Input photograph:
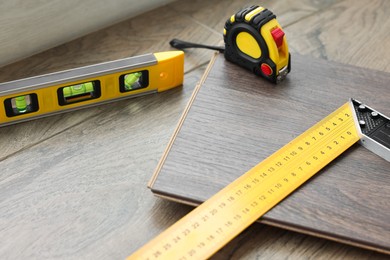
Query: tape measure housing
(254, 40)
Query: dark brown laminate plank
(237, 119)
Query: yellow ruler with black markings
(214, 223)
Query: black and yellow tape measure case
(255, 40)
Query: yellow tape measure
(214, 223)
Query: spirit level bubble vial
(58, 92)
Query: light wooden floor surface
(73, 186)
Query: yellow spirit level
(58, 92)
(255, 40)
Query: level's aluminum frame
(86, 72)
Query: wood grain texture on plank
(351, 32)
(238, 120)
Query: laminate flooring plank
(143, 34)
(218, 138)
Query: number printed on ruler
(218, 220)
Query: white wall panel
(31, 26)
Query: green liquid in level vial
(78, 92)
(79, 89)
(132, 80)
(21, 104)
